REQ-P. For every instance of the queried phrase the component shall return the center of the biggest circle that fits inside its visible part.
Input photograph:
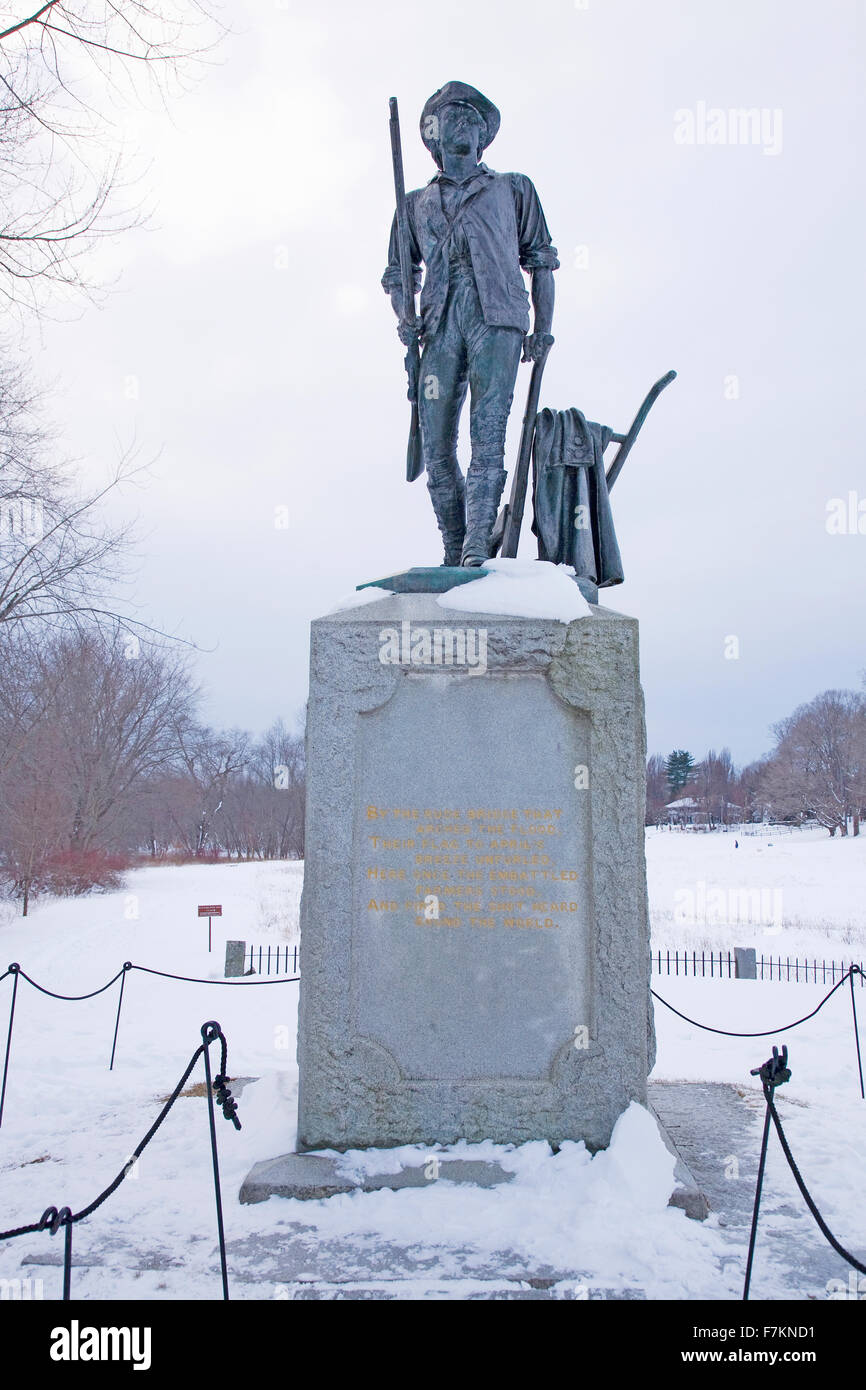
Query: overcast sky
(249, 319)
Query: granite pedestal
(474, 929)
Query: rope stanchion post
(773, 1073)
(127, 966)
(52, 1219)
(67, 1254)
(855, 970)
(758, 1186)
(209, 1032)
(14, 971)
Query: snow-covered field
(70, 1125)
(721, 889)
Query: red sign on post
(209, 910)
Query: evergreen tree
(678, 769)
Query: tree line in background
(815, 773)
(103, 764)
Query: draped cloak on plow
(571, 506)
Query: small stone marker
(746, 966)
(236, 952)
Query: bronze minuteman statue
(474, 231)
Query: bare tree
(751, 790)
(118, 707)
(62, 64)
(26, 692)
(35, 808)
(714, 780)
(61, 562)
(59, 559)
(87, 724)
(280, 767)
(210, 760)
(657, 789)
(227, 795)
(818, 768)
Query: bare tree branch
(23, 23)
(62, 168)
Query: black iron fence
(271, 960)
(722, 965)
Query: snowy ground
(70, 1125)
(737, 888)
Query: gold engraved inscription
(480, 868)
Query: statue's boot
(483, 491)
(448, 497)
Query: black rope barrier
(217, 1088)
(69, 998)
(725, 1033)
(17, 973)
(773, 1073)
(15, 970)
(767, 1032)
(188, 979)
(192, 980)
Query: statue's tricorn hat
(458, 92)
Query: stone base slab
(310, 1176)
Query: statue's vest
(489, 222)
